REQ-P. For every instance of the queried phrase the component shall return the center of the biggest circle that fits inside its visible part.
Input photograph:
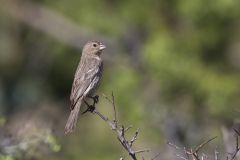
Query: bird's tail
(73, 117)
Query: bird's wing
(83, 83)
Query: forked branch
(119, 130)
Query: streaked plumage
(86, 80)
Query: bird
(86, 80)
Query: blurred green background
(174, 68)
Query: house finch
(86, 80)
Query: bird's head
(93, 48)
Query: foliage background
(173, 66)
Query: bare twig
(134, 138)
(236, 131)
(120, 131)
(143, 150)
(194, 155)
(203, 144)
(191, 152)
(185, 152)
(129, 127)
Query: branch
(191, 152)
(119, 131)
(203, 144)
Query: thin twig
(114, 108)
(129, 127)
(120, 131)
(185, 151)
(143, 150)
(238, 133)
(191, 152)
(134, 138)
(204, 143)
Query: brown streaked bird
(86, 80)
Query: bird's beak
(102, 47)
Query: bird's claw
(95, 99)
(90, 108)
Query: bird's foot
(90, 108)
(95, 99)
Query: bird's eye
(94, 45)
